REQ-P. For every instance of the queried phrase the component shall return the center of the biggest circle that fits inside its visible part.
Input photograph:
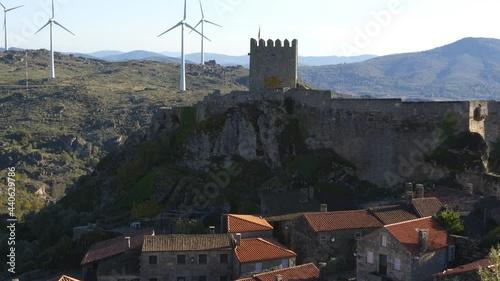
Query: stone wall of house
(257, 234)
(167, 268)
(248, 269)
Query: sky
(322, 27)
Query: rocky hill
(464, 70)
(54, 131)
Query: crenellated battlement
(254, 44)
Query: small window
(442, 258)
(383, 241)
(369, 257)
(202, 278)
(181, 259)
(153, 279)
(397, 264)
(224, 278)
(153, 260)
(258, 267)
(357, 235)
(451, 253)
(121, 279)
(181, 278)
(285, 263)
(322, 239)
(202, 259)
(223, 258)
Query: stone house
(467, 272)
(204, 257)
(413, 208)
(305, 272)
(249, 226)
(411, 251)
(257, 255)
(323, 236)
(115, 259)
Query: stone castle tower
(274, 65)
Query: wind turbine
(5, 10)
(202, 22)
(51, 22)
(183, 23)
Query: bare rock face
(76, 144)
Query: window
(224, 278)
(181, 278)
(223, 258)
(285, 263)
(357, 235)
(451, 253)
(322, 239)
(369, 257)
(258, 267)
(442, 258)
(153, 279)
(383, 241)
(181, 259)
(122, 280)
(202, 259)
(153, 260)
(202, 278)
(397, 264)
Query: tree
(451, 221)
(491, 273)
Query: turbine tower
(202, 22)
(51, 22)
(183, 23)
(5, 10)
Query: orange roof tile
(115, 246)
(473, 266)
(64, 278)
(187, 242)
(394, 213)
(246, 223)
(407, 234)
(328, 221)
(304, 272)
(258, 249)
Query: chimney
(211, 229)
(303, 195)
(409, 186)
(238, 239)
(127, 238)
(419, 191)
(278, 277)
(409, 198)
(311, 192)
(423, 239)
(469, 188)
(323, 208)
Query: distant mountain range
(466, 69)
(225, 60)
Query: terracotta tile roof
(328, 221)
(453, 198)
(115, 246)
(428, 206)
(305, 272)
(406, 233)
(258, 249)
(473, 266)
(187, 242)
(246, 223)
(394, 213)
(64, 278)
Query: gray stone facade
(273, 65)
(400, 264)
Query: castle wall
(273, 65)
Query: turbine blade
(52, 8)
(197, 32)
(14, 8)
(185, 4)
(43, 27)
(180, 23)
(213, 23)
(202, 14)
(196, 26)
(3, 6)
(64, 27)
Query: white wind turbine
(183, 23)
(202, 22)
(5, 10)
(51, 22)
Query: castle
(386, 139)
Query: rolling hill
(466, 69)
